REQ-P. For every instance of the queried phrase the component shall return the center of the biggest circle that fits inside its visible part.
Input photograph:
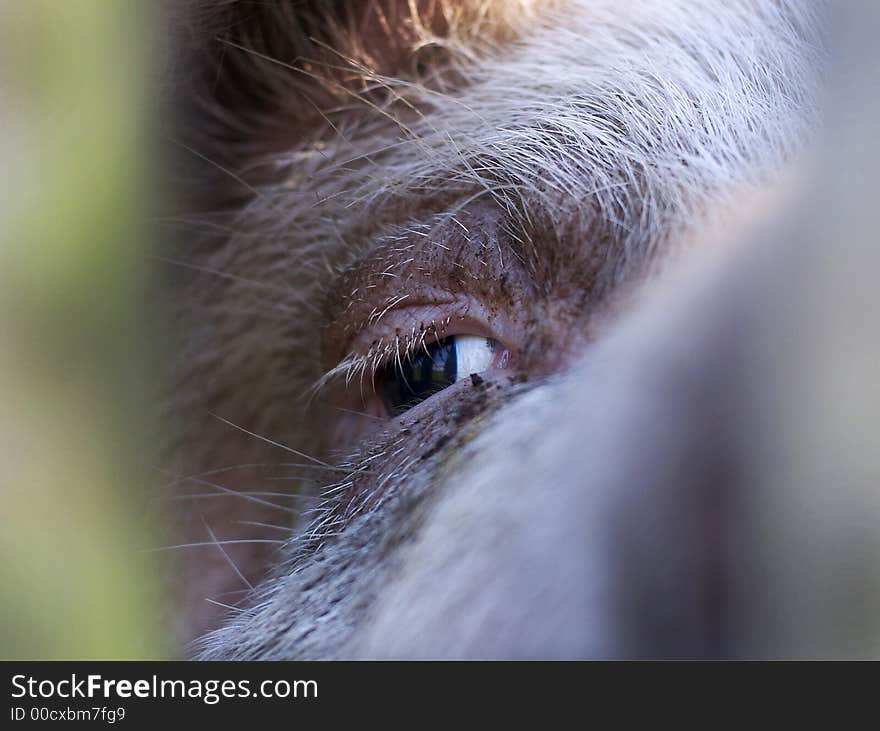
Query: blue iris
(419, 375)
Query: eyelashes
(381, 354)
(400, 372)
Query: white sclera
(473, 355)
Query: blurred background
(76, 78)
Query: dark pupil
(419, 375)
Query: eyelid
(447, 314)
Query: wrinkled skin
(646, 471)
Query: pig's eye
(408, 381)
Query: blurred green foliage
(75, 582)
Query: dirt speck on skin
(473, 406)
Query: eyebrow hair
(240, 64)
